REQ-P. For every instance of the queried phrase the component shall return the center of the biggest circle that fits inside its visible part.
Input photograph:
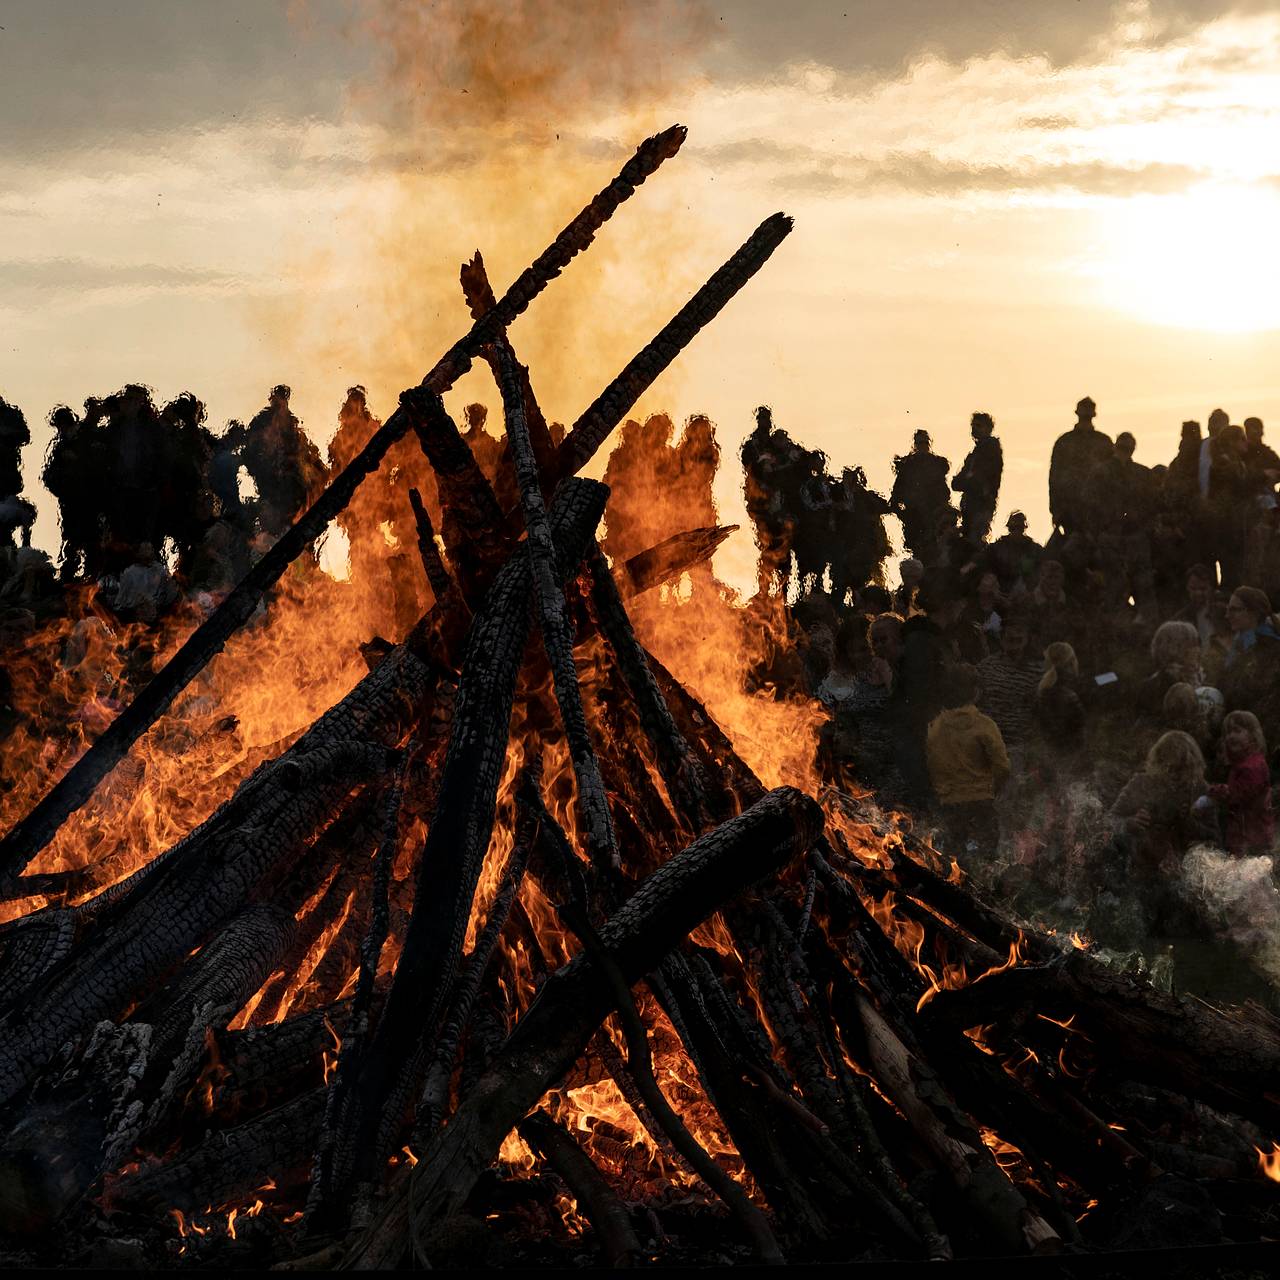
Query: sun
(1204, 259)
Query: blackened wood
(442, 584)
(228, 1165)
(619, 1244)
(678, 765)
(357, 1025)
(480, 301)
(575, 1000)
(129, 952)
(471, 520)
(553, 619)
(592, 429)
(451, 860)
(671, 557)
(35, 831)
(431, 1103)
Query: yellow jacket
(967, 759)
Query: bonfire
(529, 934)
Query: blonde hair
(1172, 640)
(1059, 656)
(1176, 756)
(1247, 721)
(1180, 700)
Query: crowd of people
(1072, 719)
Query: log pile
(818, 1043)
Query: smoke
(488, 127)
(1240, 901)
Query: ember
(321, 947)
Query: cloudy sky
(999, 206)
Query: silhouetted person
(14, 433)
(486, 449)
(73, 475)
(222, 475)
(1015, 556)
(639, 475)
(1183, 474)
(285, 465)
(1231, 501)
(1218, 419)
(978, 480)
(1261, 459)
(133, 454)
(860, 543)
(767, 459)
(920, 497)
(186, 449)
(1078, 456)
(696, 462)
(1134, 493)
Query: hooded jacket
(967, 757)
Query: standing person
(1015, 556)
(919, 497)
(1250, 678)
(927, 658)
(978, 480)
(968, 764)
(1009, 679)
(904, 598)
(1249, 826)
(1183, 474)
(1135, 491)
(1205, 460)
(1231, 502)
(1078, 455)
(1059, 709)
(285, 465)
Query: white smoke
(1240, 900)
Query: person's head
(699, 431)
(62, 418)
(280, 394)
(476, 415)
(988, 588)
(1242, 735)
(874, 600)
(921, 441)
(1200, 586)
(1015, 635)
(764, 418)
(1253, 430)
(851, 643)
(822, 639)
(1051, 578)
(1176, 758)
(1247, 609)
(1016, 523)
(1126, 444)
(884, 637)
(912, 571)
(981, 425)
(1086, 411)
(961, 689)
(1181, 707)
(1217, 420)
(1229, 442)
(657, 430)
(1190, 432)
(1060, 664)
(940, 599)
(1175, 644)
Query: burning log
(31, 835)
(592, 429)
(576, 999)
(456, 842)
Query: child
(1246, 794)
(968, 764)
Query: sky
(997, 206)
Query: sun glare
(1205, 259)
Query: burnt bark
(575, 1000)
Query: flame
(1269, 1162)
